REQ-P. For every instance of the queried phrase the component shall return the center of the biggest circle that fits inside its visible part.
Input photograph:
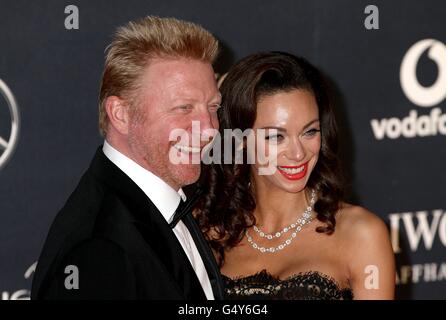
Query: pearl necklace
(297, 226)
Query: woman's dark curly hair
(226, 209)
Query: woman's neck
(277, 208)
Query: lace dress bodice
(310, 285)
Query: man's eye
(185, 107)
(214, 107)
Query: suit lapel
(207, 256)
(151, 224)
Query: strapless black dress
(310, 285)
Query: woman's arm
(371, 260)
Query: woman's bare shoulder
(356, 222)
(367, 251)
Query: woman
(289, 235)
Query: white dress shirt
(166, 199)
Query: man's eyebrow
(217, 96)
(188, 99)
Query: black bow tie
(184, 207)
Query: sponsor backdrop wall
(387, 64)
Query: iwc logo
(9, 141)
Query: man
(120, 235)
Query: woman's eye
(312, 132)
(277, 137)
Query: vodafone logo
(416, 125)
(414, 91)
(9, 143)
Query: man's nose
(208, 125)
(208, 120)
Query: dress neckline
(266, 277)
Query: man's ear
(118, 113)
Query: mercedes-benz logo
(8, 144)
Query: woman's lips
(293, 172)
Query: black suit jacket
(122, 246)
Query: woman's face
(296, 143)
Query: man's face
(172, 94)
